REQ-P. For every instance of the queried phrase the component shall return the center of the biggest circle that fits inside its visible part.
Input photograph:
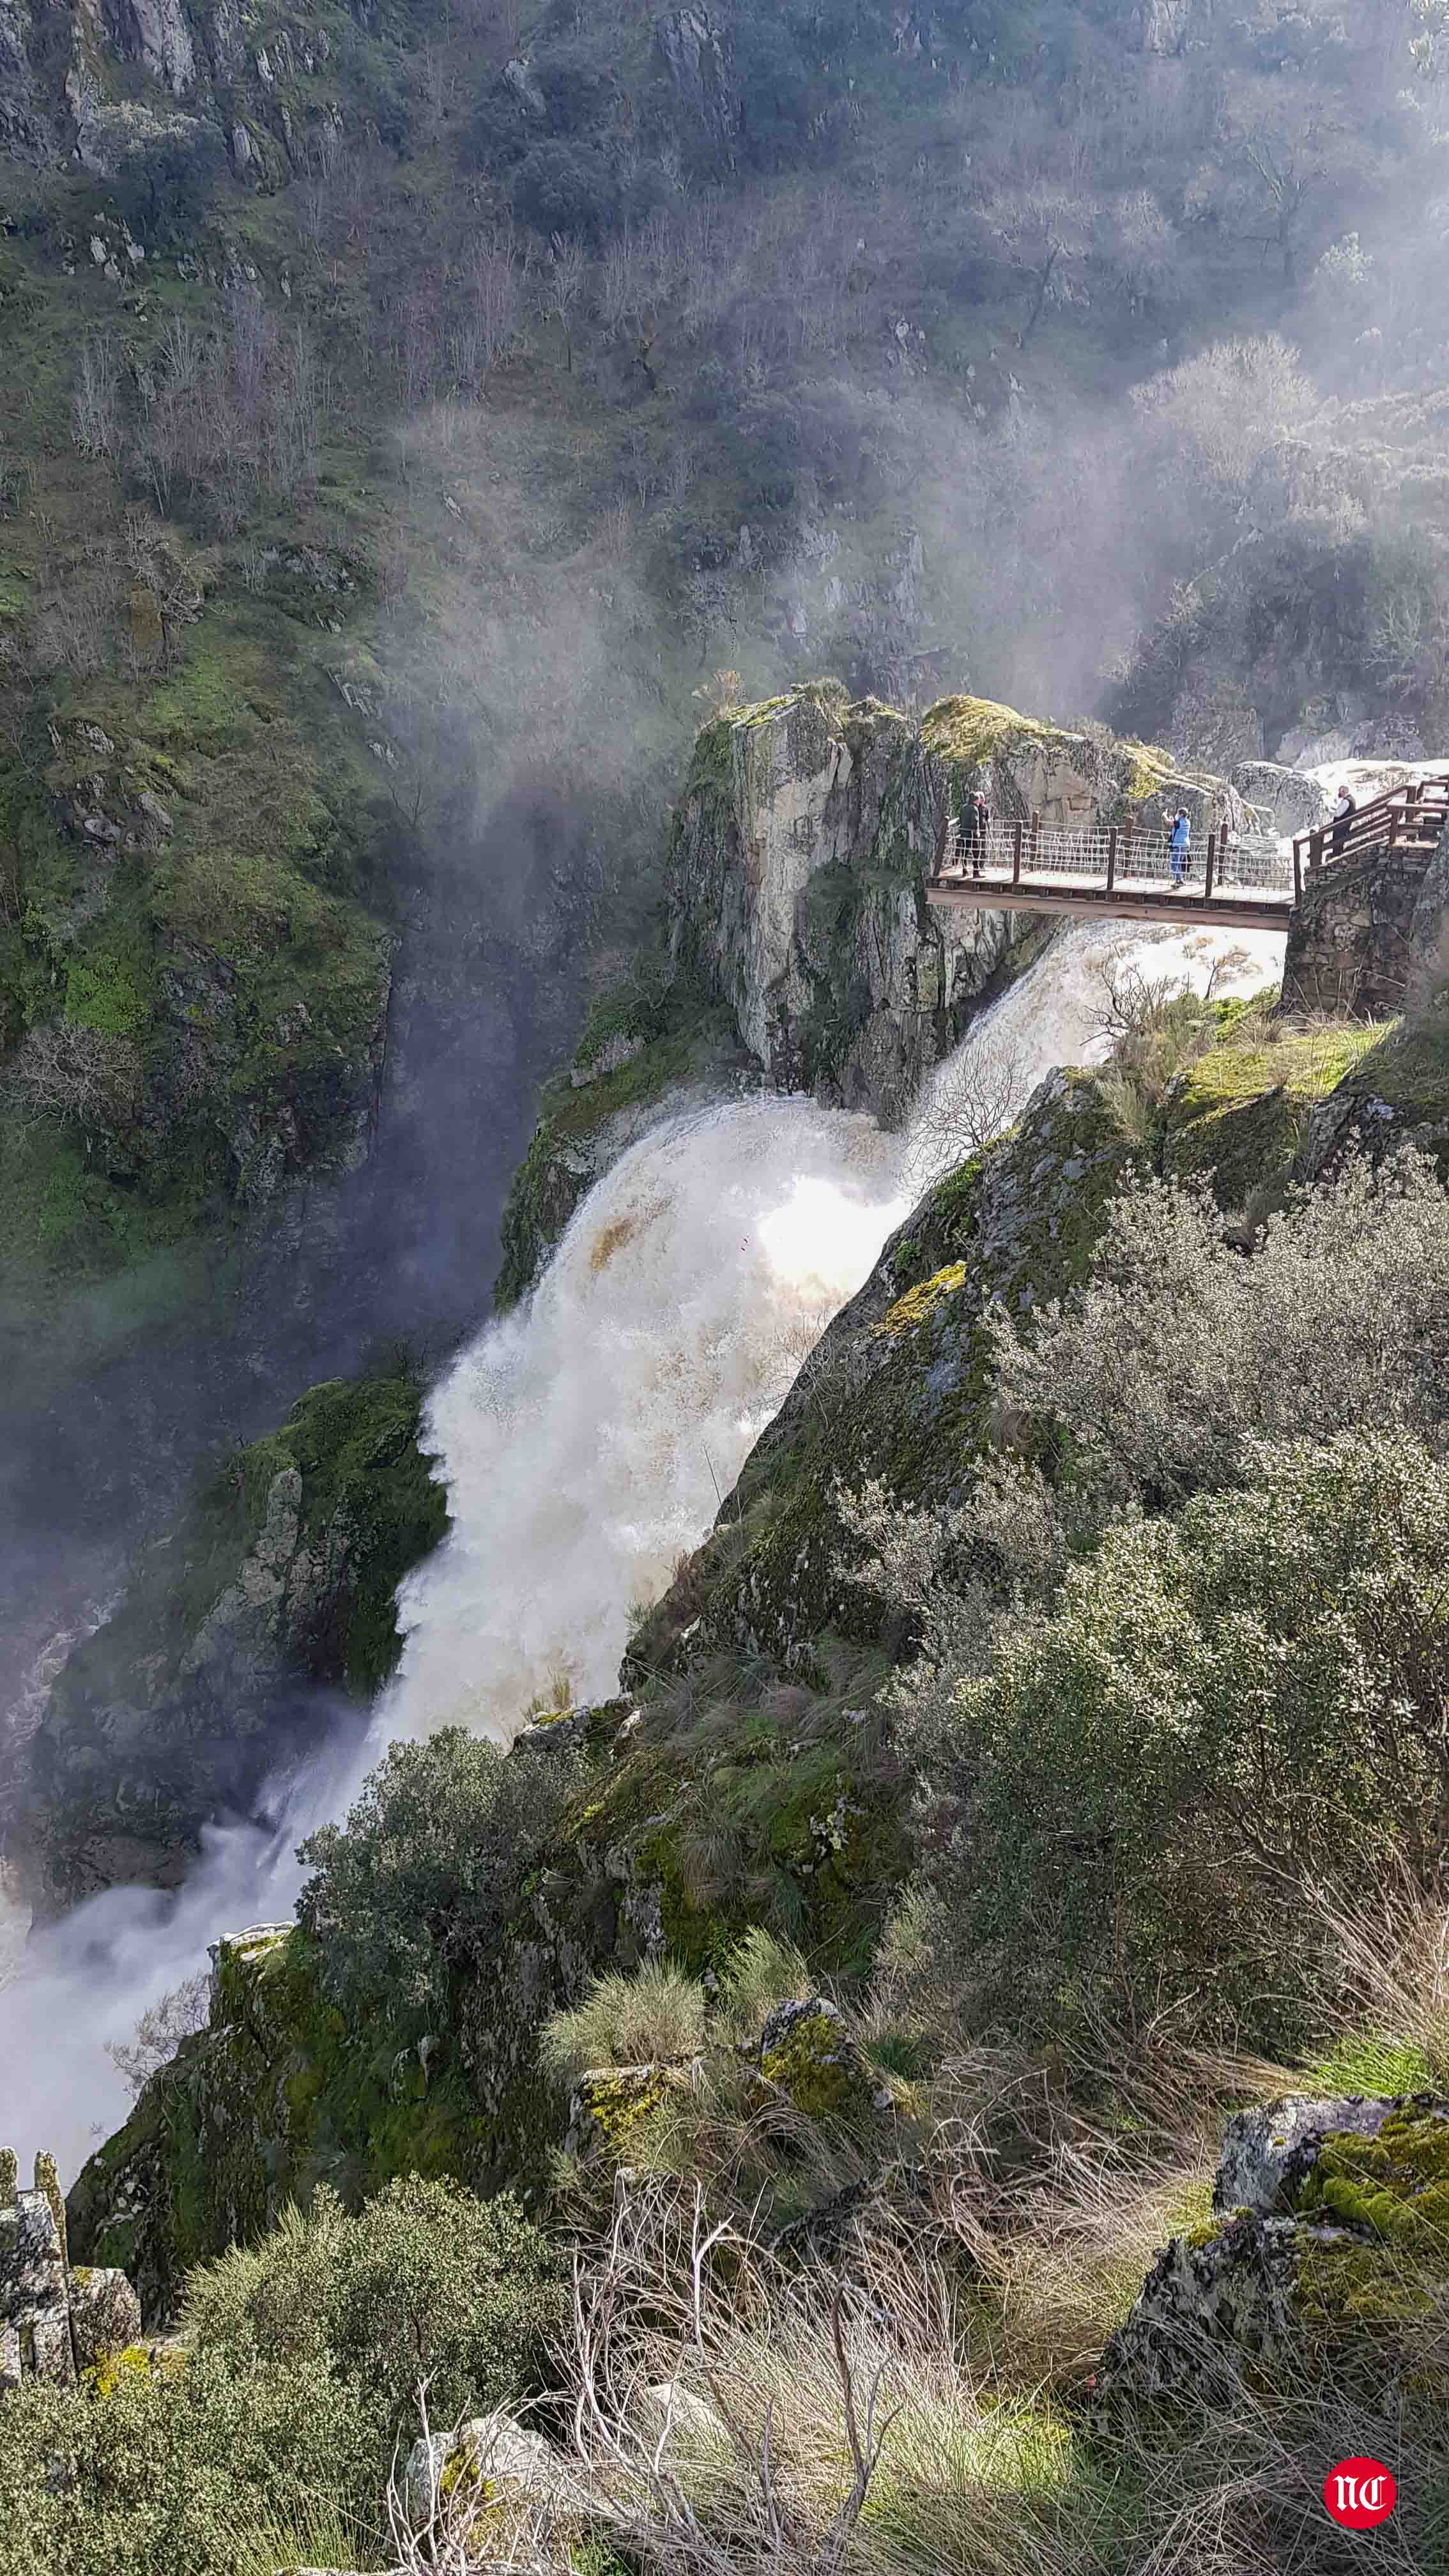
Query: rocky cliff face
(281, 2088)
(802, 844)
(283, 1573)
(103, 83)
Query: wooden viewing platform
(1124, 870)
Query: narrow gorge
(724, 1288)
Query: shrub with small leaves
(410, 1894)
(1218, 1712)
(425, 2282)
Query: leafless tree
(95, 403)
(64, 1071)
(1045, 229)
(971, 1099)
(641, 462)
(1290, 162)
(562, 286)
(416, 344)
(621, 276)
(494, 298)
(160, 2032)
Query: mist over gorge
(648, 1467)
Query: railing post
(1111, 858)
(1016, 854)
(1212, 851)
(1298, 872)
(1315, 850)
(1394, 826)
(1129, 836)
(1035, 838)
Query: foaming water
(586, 1442)
(590, 1439)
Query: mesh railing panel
(1080, 858)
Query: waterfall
(586, 1441)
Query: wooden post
(1035, 837)
(1298, 872)
(1207, 875)
(1315, 850)
(1394, 825)
(1111, 857)
(1016, 854)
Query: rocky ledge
(802, 844)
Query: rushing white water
(586, 1442)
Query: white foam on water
(586, 1441)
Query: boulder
(669, 2402)
(1293, 801)
(509, 2476)
(807, 2052)
(105, 2314)
(610, 2103)
(1329, 2242)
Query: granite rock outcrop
(57, 2321)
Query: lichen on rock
(807, 2053)
(1330, 2239)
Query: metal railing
(1113, 858)
(1410, 817)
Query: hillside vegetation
(948, 2068)
(1038, 1764)
(405, 413)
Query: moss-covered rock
(612, 2105)
(1394, 1090)
(806, 2052)
(1243, 1115)
(1329, 2246)
(285, 1569)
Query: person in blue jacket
(1179, 842)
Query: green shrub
(303, 2359)
(411, 1893)
(425, 2282)
(1182, 1347)
(166, 2472)
(1218, 1713)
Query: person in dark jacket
(1345, 808)
(975, 824)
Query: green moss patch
(1239, 1115)
(1393, 2187)
(921, 1301)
